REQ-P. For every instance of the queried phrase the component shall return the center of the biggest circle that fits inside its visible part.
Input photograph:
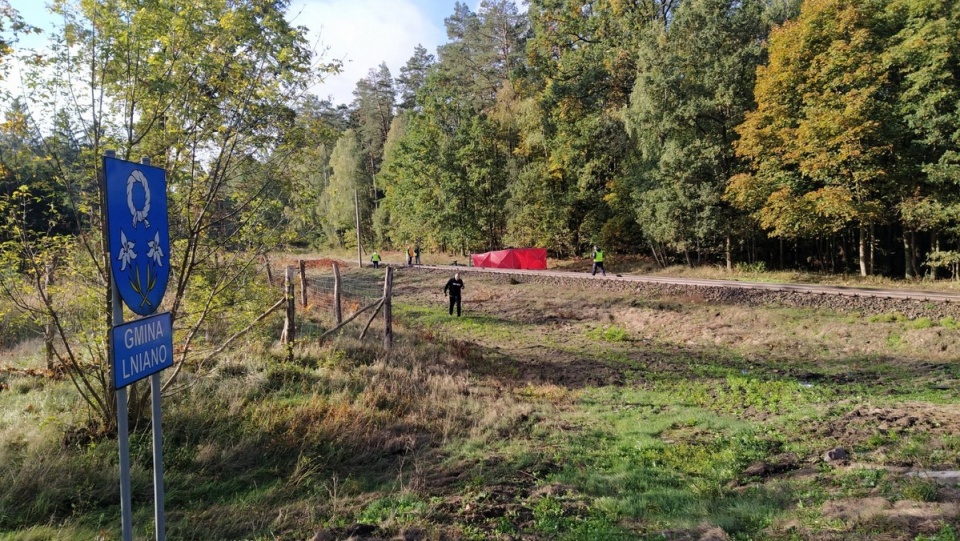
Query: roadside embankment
(863, 301)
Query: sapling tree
(206, 91)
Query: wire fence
(361, 288)
(356, 291)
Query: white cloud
(365, 33)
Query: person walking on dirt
(409, 256)
(598, 261)
(454, 286)
(376, 259)
(416, 252)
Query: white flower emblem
(155, 253)
(126, 252)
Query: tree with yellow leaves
(824, 137)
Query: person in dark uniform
(455, 287)
(416, 254)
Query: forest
(820, 135)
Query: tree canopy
(814, 133)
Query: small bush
(948, 323)
(754, 268)
(922, 323)
(17, 327)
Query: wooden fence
(363, 294)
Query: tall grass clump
(58, 485)
(608, 333)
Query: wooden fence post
(48, 326)
(289, 331)
(269, 271)
(337, 313)
(303, 283)
(388, 309)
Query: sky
(361, 33)
(365, 33)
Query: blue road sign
(142, 348)
(138, 232)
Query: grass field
(539, 414)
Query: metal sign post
(158, 495)
(137, 238)
(123, 435)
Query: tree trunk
(908, 265)
(729, 255)
(863, 250)
(656, 257)
(914, 253)
(48, 328)
(356, 203)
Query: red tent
(516, 258)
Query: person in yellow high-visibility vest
(376, 259)
(598, 261)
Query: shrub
(609, 333)
(755, 267)
(887, 318)
(921, 490)
(922, 323)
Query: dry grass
(540, 414)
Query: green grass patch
(949, 322)
(948, 532)
(608, 333)
(735, 394)
(641, 456)
(919, 489)
(862, 482)
(399, 509)
(552, 517)
(895, 317)
(479, 326)
(921, 323)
